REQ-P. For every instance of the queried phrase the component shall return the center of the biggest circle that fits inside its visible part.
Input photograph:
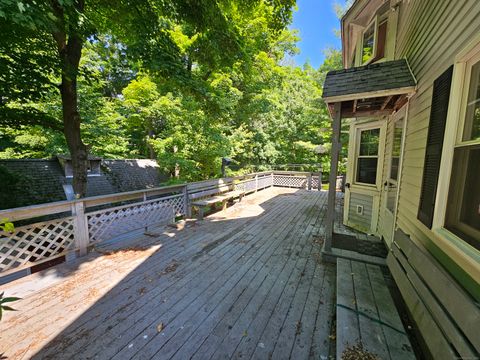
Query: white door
(391, 176)
(364, 175)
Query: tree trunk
(70, 51)
(72, 121)
(151, 150)
(177, 166)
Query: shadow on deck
(247, 282)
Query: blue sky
(316, 21)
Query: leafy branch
(4, 307)
(6, 225)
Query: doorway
(364, 175)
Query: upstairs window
(368, 43)
(374, 41)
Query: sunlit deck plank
(228, 271)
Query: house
(35, 181)
(410, 93)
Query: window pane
(368, 40)
(463, 208)
(367, 170)
(472, 119)
(396, 149)
(369, 140)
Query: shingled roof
(36, 181)
(370, 78)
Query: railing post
(309, 181)
(320, 179)
(80, 224)
(273, 180)
(256, 182)
(187, 209)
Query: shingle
(374, 77)
(42, 180)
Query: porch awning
(367, 90)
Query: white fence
(56, 229)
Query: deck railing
(68, 228)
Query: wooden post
(332, 192)
(80, 224)
(145, 199)
(309, 181)
(273, 180)
(319, 179)
(187, 208)
(256, 182)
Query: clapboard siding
(429, 34)
(364, 221)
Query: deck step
(366, 314)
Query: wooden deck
(247, 282)
(366, 314)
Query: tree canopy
(184, 82)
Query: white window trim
(381, 147)
(390, 38)
(373, 23)
(455, 124)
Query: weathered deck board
(366, 313)
(245, 282)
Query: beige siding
(430, 34)
(360, 221)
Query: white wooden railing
(48, 231)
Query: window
(463, 207)
(374, 41)
(367, 159)
(368, 42)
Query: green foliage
(184, 82)
(5, 300)
(6, 225)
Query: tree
(42, 47)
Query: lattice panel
(315, 182)
(32, 243)
(264, 182)
(290, 181)
(247, 186)
(108, 223)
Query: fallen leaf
(147, 233)
(160, 327)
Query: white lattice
(108, 223)
(32, 243)
(247, 185)
(264, 182)
(315, 182)
(290, 181)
